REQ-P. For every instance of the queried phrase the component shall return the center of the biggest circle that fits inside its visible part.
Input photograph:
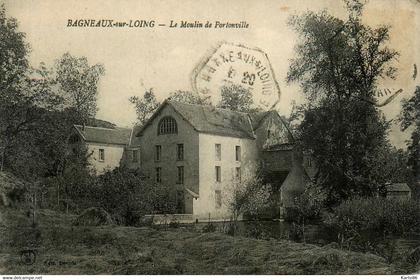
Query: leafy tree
(247, 195)
(13, 55)
(25, 95)
(79, 84)
(236, 98)
(189, 97)
(145, 106)
(307, 207)
(13, 64)
(338, 65)
(410, 118)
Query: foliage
(410, 113)
(351, 56)
(236, 98)
(247, 195)
(338, 65)
(145, 106)
(256, 230)
(93, 217)
(13, 54)
(125, 194)
(209, 227)
(122, 193)
(79, 83)
(163, 199)
(26, 94)
(38, 106)
(410, 118)
(307, 207)
(364, 221)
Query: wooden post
(34, 210)
(2, 157)
(58, 196)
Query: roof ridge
(99, 127)
(209, 106)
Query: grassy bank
(65, 249)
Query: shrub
(296, 232)
(363, 220)
(210, 227)
(93, 217)
(256, 230)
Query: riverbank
(66, 249)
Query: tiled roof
(135, 141)
(257, 118)
(117, 135)
(208, 119)
(213, 120)
(398, 187)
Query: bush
(210, 227)
(125, 194)
(93, 217)
(363, 220)
(296, 232)
(291, 215)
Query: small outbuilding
(398, 191)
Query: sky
(163, 58)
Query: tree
(189, 97)
(338, 65)
(307, 206)
(79, 84)
(145, 106)
(13, 64)
(410, 118)
(13, 55)
(25, 94)
(237, 98)
(247, 195)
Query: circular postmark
(236, 64)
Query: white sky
(163, 58)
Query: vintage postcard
(272, 137)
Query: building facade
(105, 147)
(202, 151)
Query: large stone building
(202, 151)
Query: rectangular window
(218, 198)
(158, 152)
(180, 179)
(238, 174)
(101, 154)
(218, 174)
(218, 151)
(158, 174)
(180, 152)
(238, 153)
(309, 162)
(135, 155)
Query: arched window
(167, 125)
